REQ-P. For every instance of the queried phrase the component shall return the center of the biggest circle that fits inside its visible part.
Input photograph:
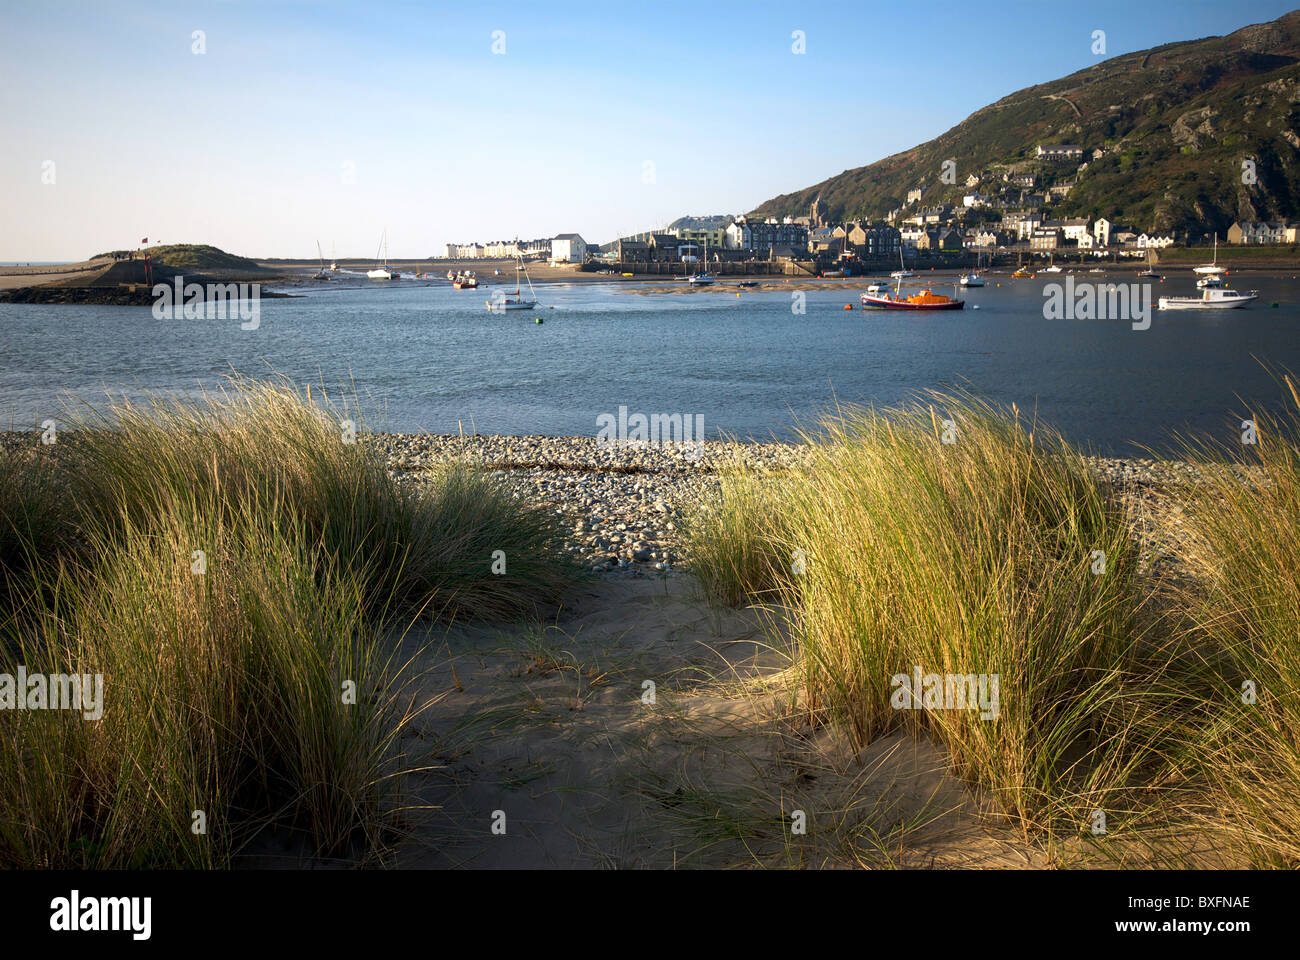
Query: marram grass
(1244, 607)
(234, 571)
(993, 555)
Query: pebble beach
(622, 505)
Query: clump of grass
(735, 536)
(35, 516)
(973, 557)
(1244, 605)
(226, 691)
(261, 441)
(233, 569)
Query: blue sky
(308, 121)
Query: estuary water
(425, 357)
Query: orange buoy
(848, 306)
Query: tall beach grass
(996, 554)
(1244, 608)
(236, 572)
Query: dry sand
(12, 278)
(548, 725)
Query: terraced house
(874, 240)
(1262, 231)
(760, 235)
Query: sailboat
(902, 273)
(515, 301)
(973, 279)
(381, 273)
(1212, 268)
(1150, 272)
(702, 278)
(322, 273)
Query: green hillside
(1174, 122)
(194, 257)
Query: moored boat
(502, 301)
(702, 278)
(974, 278)
(1211, 268)
(382, 272)
(1212, 298)
(925, 300)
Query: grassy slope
(195, 257)
(1176, 122)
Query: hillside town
(1006, 210)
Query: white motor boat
(1212, 298)
(1213, 280)
(971, 280)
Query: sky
(285, 124)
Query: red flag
(145, 240)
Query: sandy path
(13, 277)
(547, 725)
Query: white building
(1059, 151)
(464, 251)
(568, 248)
(911, 236)
(1101, 231)
(1028, 224)
(1155, 241)
(1073, 230)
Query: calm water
(426, 357)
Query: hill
(192, 257)
(1170, 125)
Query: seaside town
(999, 212)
